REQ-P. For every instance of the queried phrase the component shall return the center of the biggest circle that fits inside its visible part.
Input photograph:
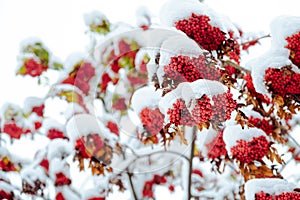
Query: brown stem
(228, 62)
(132, 186)
(194, 132)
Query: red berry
(152, 120)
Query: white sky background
(59, 24)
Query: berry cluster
(198, 28)
(223, 106)
(94, 147)
(13, 130)
(282, 81)
(32, 67)
(54, 133)
(282, 196)
(202, 111)
(262, 124)
(252, 91)
(148, 186)
(246, 152)
(294, 47)
(179, 114)
(216, 148)
(39, 110)
(184, 68)
(6, 195)
(152, 120)
(61, 179)
(80, 76)
(6, 165)
(113, 127)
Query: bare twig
(132, 186)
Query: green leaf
(57, 66)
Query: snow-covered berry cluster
(223, 106)
(32, 67)
(189, 69)
(198, 28)
(148, 186)
(294, 47)
(202, 111)
(283, 81)
(180, 115)
(262, 124)
(217, 147)
(80, 76)
(152, 120)
(249, 151)
(282, 196)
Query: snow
(72, 109)
(234, 133)
(32, 173)
(145, 97)
(283, 27)
(170, 98)
(95, 17)
(9, 111)
(143, 16)
(59, 148)
(67, 193)
(50, 123)
(178, 45)
(175, 10)
(31, 102)
(84, 124)
(267, 185)
(274, 58)
(58, 165)
(6, 187)
(196, 89)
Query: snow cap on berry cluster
(73, 109)
(196, 89)
(267, 185)
(232, 134)
(31, 102)
(9, 111)
(175, 10)
(58, 148)
(95, 17)
(145, 97)
(282, 27)
(50, 123)
(272, 59)
(32, 173)
(58, 165)
(85, 124)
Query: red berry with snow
(59, 196)
(252, 91)
(61, 179)
(185, 68)
(13, 130)
(152, 120)
(113, 127)
(54, 134)
(283, 81)
(262, 124)
(33, 68)
(216, 148)
(223, 106)
(39, 110)
(179, 114)
(198, 28)
(294, 47)
(202, 111)
(249, 151)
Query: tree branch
(132, 186)
(194, 131)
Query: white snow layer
(58, 148)
(31, 102)
(95, 17)
(234, 133)
(283, 27)
(145, 97)
(267, 185)
(31, 174)
(85, 124)
(175, 10)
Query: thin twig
(255, 40)
(132, 186)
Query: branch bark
(194, 132)
(133, 192)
